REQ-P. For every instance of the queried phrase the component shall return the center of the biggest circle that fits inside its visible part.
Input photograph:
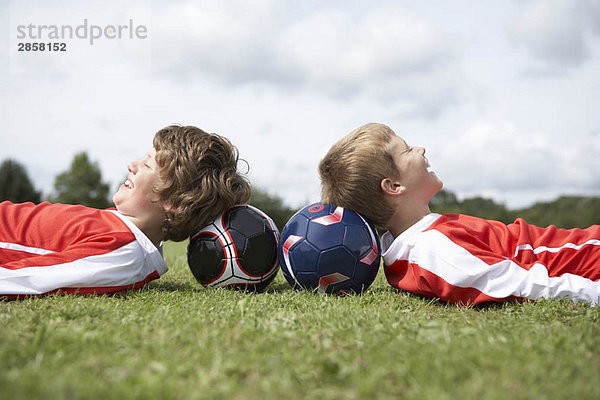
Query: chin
(115, 200)
(436, 190)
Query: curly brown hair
(199, 178)
(352, 170)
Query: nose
(421, 150)
(132, 167)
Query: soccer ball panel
(306, 280)
(357, 240)
(260, 250)
(298, 225)
(325, 236)
(239, 241)
(206, 257)
(304, 257)
(245, 221)
(365, 275)
(352, 218)
(338, 260)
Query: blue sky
(504, 95)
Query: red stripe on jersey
(89, 290)
(412, 278)
(10, 255)
(522, 243)
(95, 232)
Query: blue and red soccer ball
(329, 249)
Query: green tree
(15, 184)
(564, 212)
(444, 201)
(82, 184)
(486, 208)
(272, 205)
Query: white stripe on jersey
(25, 249)
(458, 267)
(542, 249)
(120, 267)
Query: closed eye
(146, 161)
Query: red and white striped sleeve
(74, 249)
(467, 260)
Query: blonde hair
(352, 171)
(199, 178)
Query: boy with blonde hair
(453, 257)
(183, 183)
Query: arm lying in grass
(186, 180)
(456, 258)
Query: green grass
(176, 340)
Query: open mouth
(128, 184)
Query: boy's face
(414, 172)
(135, 197)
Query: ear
(391, 187)
(167, 207)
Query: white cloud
(387, 53)
(556, 32)
(230, 41)
(498, 158)
(594, 15)
(335, 49)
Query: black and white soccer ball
(329, 249)
(237, 250)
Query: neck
(152, 231)
(405, 216)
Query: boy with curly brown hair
(183, 183)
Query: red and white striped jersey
(75, 249)
(469, 260)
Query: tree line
(82, 183)
(563, 212)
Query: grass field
(175, 340)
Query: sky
(504, 95)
